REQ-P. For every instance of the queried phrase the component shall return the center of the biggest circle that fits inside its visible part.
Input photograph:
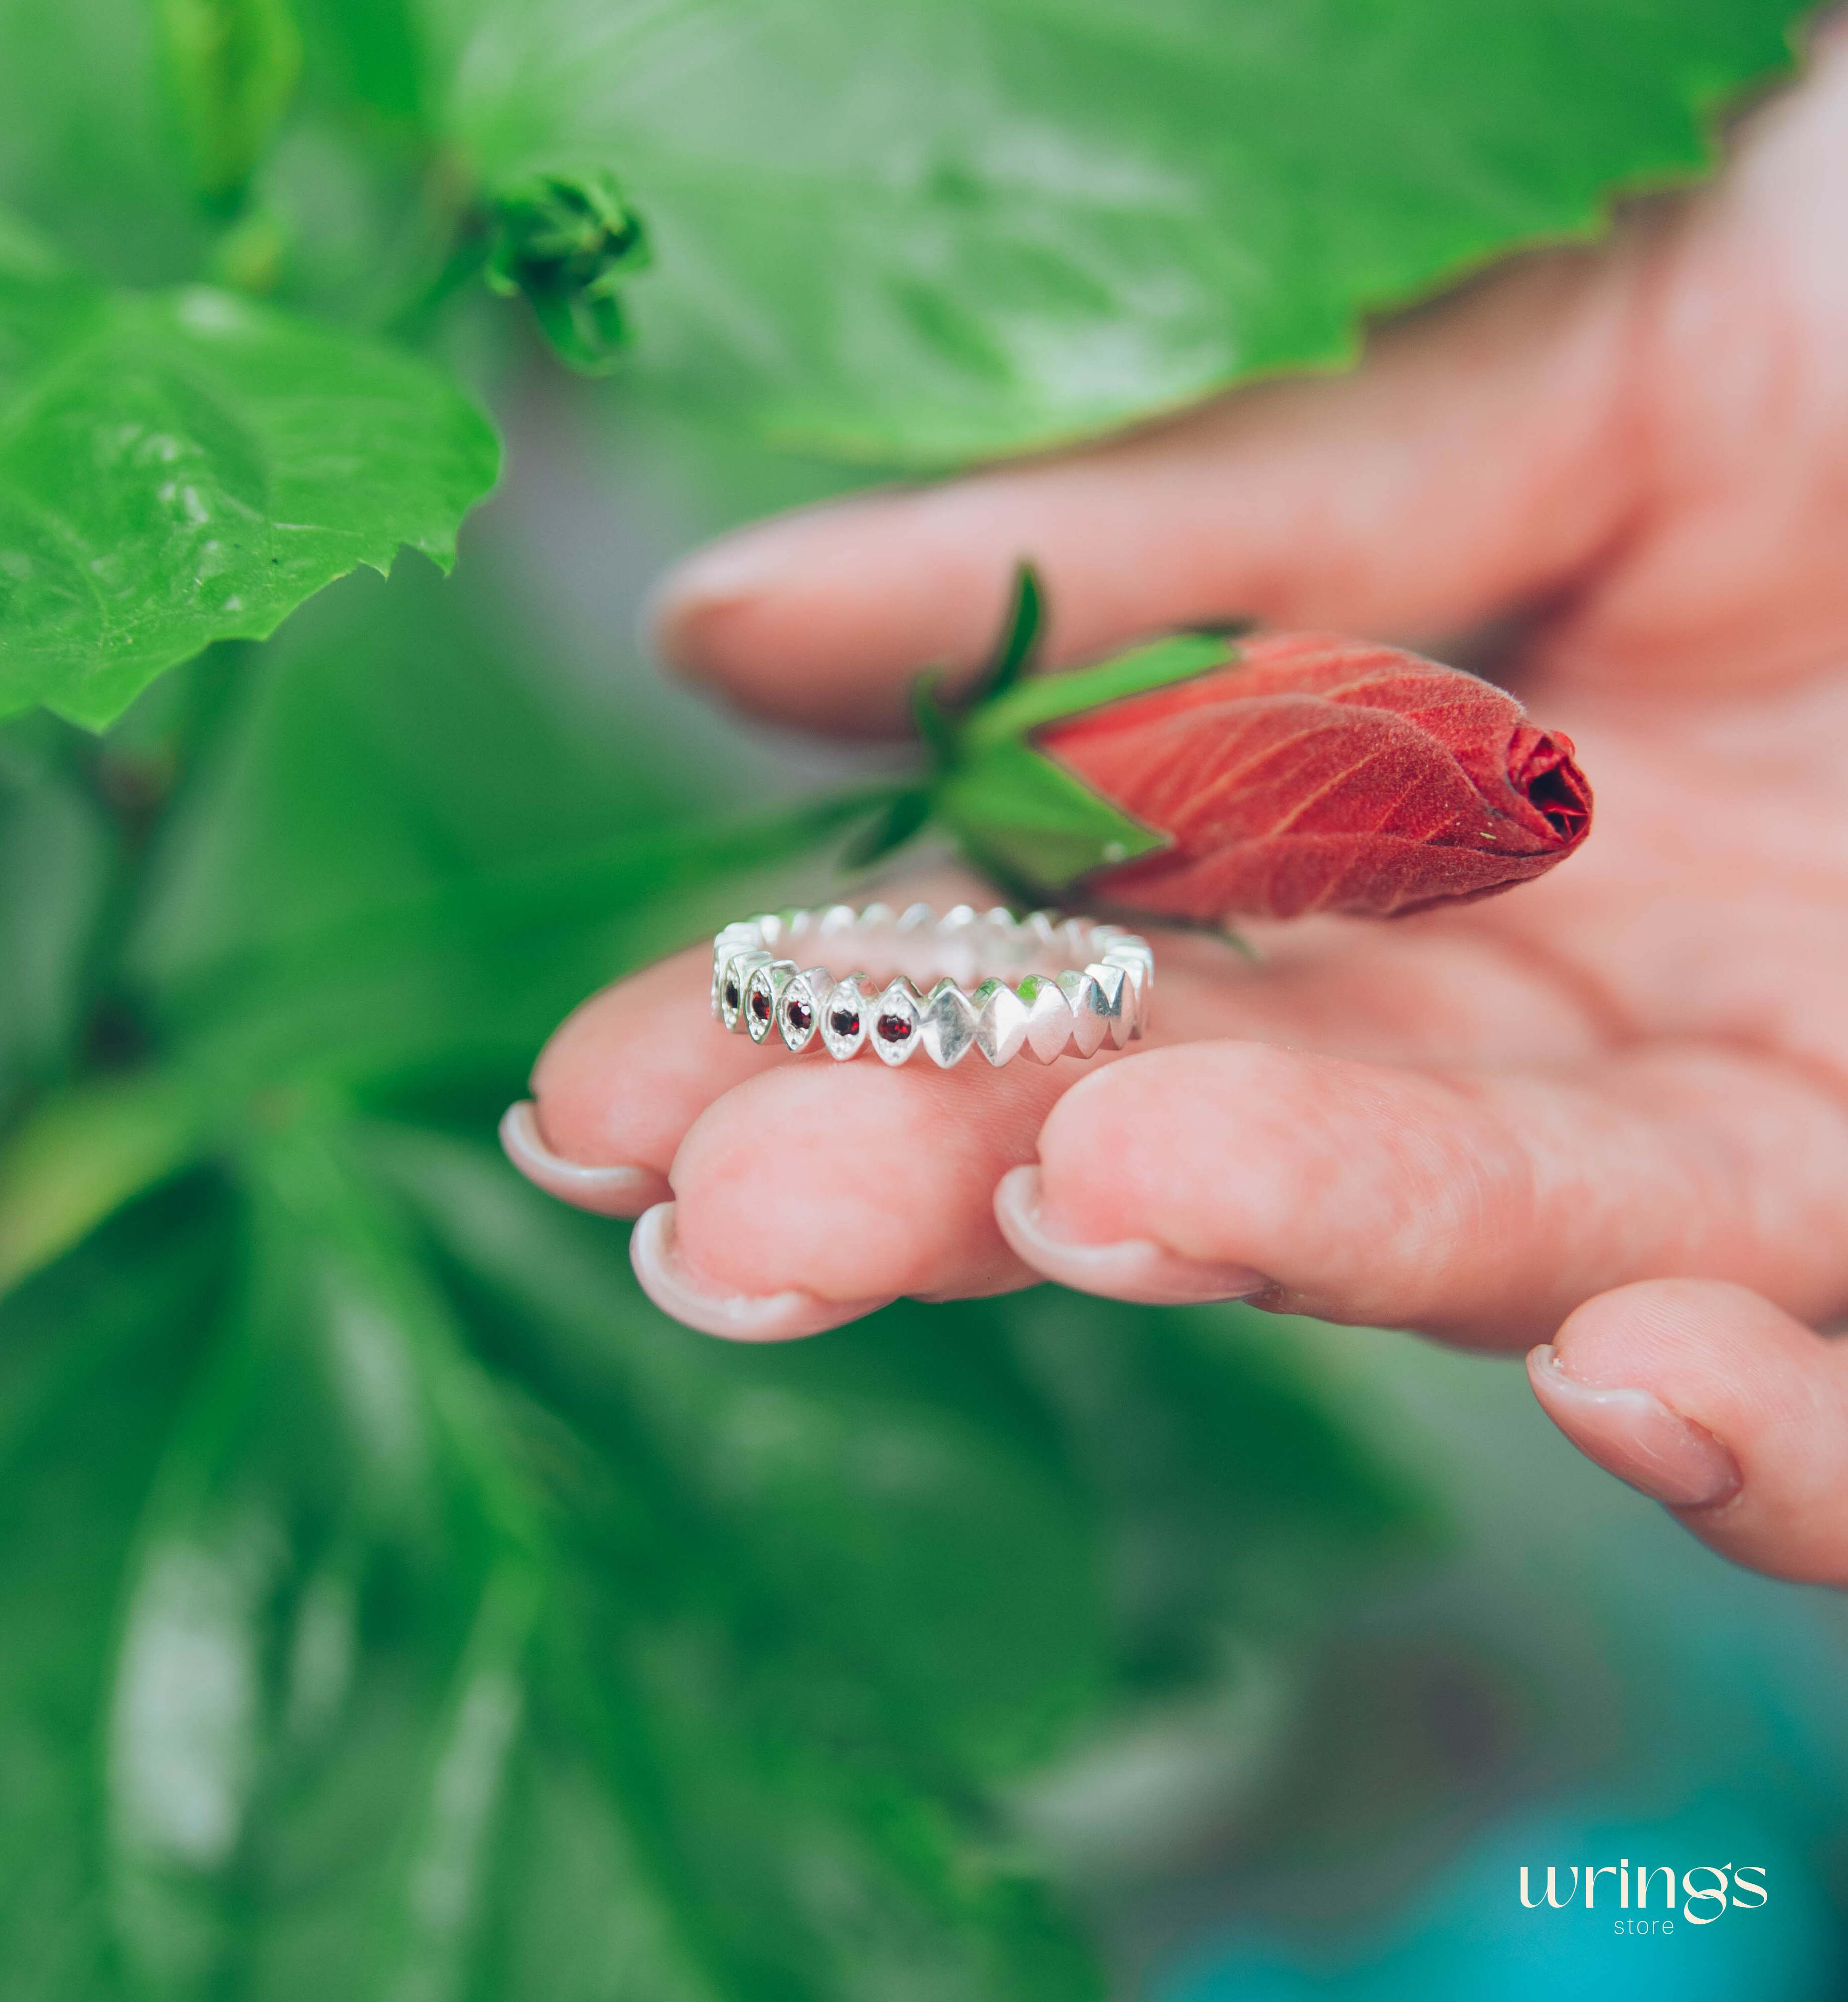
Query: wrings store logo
(1708, 1892)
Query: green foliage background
(394, 1604)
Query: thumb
(1711, 1400)
(1464, 468)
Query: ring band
(1041, 985)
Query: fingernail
(1633, 1435)
(613, 1191)
(1136, 1268)
(723, 575)
(654, 1250)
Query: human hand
(1487, 1123)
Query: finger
(1709, 1399)
(619, 1082)
(607, 1188)
(625, 1075)
(627, 1071)
(716, 1308)
(1465, 466)
(850, 1183)
(1481, 1208)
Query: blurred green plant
(395, 1604)
(233, 65)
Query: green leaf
(902, 1481)
(1019, 638)
(179, 469)
(1237, 1486)
(95, 1360)
(338, 1549)
(364, 52)
(82, 1155)
(1044, 699)
(935, 721)
(375, 1619)
(55, 866)
(928, 242)
(891, 1523)
(1033, 823)
(233, 65)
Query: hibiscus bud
(1313, 773)
(571, 242)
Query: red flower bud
(1321, 774)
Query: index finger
(1464, 467)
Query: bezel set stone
(1041, 986)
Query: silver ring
(1041, 985)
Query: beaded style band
(1041, 986)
